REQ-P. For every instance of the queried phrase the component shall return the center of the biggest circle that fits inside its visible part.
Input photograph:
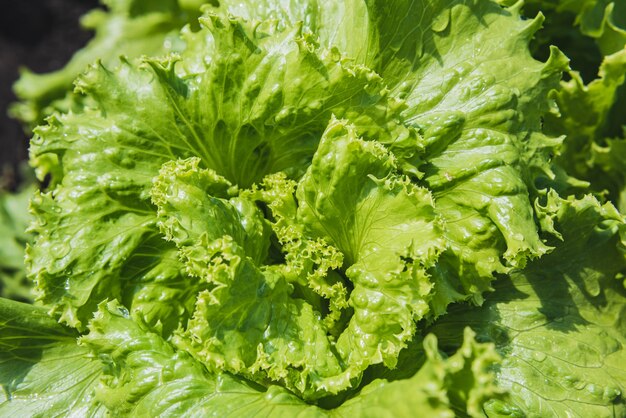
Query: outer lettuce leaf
(309, 12)
(589, 115)
(128, 28)
(480, 120)
(340, 24)
(610, 160)
(146, 376)
(559, 324)
(97, 227)
(89, 254)
(443, 387)
(134, 372)
(603, 20)
(43, 373)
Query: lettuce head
(327, 209)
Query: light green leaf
(104, 245)
(387, 231)
(311, 265)
(193, 209)
(148, 377)
(248, 322)
(340, 24)
(479, 116)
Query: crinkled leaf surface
(98, 226)
(559, 324)
(123, 368)
(247, 322)
(388, 232)
(253, 320)
(146, 376)
(478, 118)
(481, 145)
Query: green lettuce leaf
(483, 150)
(123, 368)
(128, 28)
(610, 160)
(353, 198)
(603, 20)
(146, 376)
(559, 324)
(480, 122)
(591, 116)
(14, 220)
(43, 372)
(443, 387)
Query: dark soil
(40, 35)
